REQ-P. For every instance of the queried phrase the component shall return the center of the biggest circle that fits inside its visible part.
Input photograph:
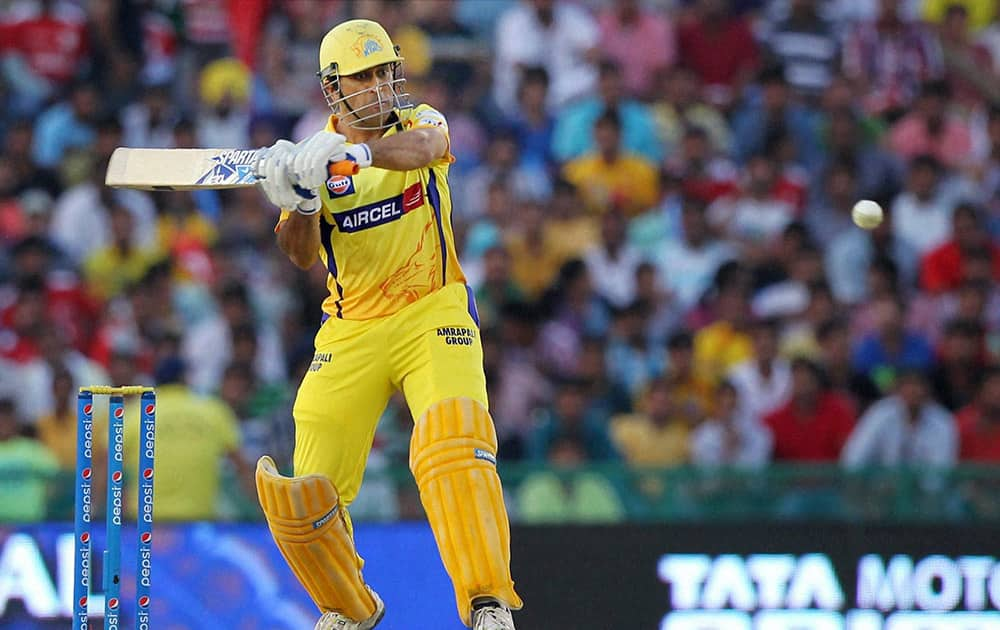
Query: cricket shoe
(337, 621)
(492, 616)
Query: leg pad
(310, 526)
(453, 459)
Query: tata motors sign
(789, 592)
(759, 576)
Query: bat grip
(343, 167)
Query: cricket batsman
(399, 317)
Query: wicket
(82, 567)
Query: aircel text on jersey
(380, 212)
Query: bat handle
(343, 167)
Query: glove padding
(308, 167)
(272, 170)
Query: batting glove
(360, 154)
(272, 173)
(309, 165)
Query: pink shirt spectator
(952, 146)
(640, 47)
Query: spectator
(888, 58)
(773, 114)
(806, 45)
(729, 437)
(611, 177)
(857, 257)
(497, 287)
(835, 358)
(57, 430)
(891, 348)
(519, 386)
(718, 44)
(979, 422)
(852, 139)
(686, 266)
(921, 214)
(612, 264)
(563, 493)
(814, 424)
(725, 342)
(943, 268)
(955, 375)
(658, 434)
(930, 129)
(829, 212)
(66, 125)
(756, 215)
(572, 417)
(700, 172)
(561, 37)
(189, 470)
(110, 269)
(689, 390)
(574, 312)
(209, 346)
(968, 63)
(576, 135)
(532, 125)
(149, 122)
(535, 255)
(678, 105)
(641, 42)
(764, 382)
(48, 42)
(633, 360)
(26, 466)
(501, 165)
(907, 428)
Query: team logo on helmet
(366, 45)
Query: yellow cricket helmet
(352, 47)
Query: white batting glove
(309, 165)
(359, 154)
(272, 170)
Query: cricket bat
(191, 169)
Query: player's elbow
(431, 145)
(301, 260)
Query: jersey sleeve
(424, 115)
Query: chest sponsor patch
(380, 212)
(340, 185)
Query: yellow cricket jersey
(386, 236)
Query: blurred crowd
(652, 201)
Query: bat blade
(181, 169)
(191, 169)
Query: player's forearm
(299, 239)
(408, 150)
